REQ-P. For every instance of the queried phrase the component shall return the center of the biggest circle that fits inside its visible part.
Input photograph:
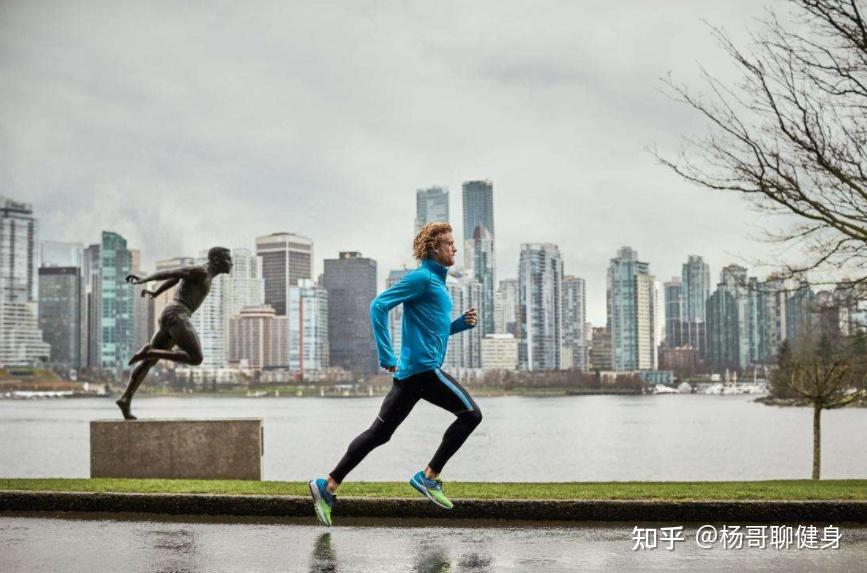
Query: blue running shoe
(431, 489)
(323, 500)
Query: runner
(426, 328)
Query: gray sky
(186, 125)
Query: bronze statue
(176, 338)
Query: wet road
(137, 544)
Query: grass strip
(702, 490)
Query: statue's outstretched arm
(162, 288)
(179, 273)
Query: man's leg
(444, 391)
(395, 408)
(189, 349)
(161, 339)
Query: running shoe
(323, 500)
(431, 489)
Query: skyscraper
(210, 321)
(506, 307)
(540, 299)
(696, 290)
(21, 341)
(479, 241)
(61, 314)
(733, 311)
(574, 317)
(259, 339)
(115, 303)
(350, 281)
(143, 306)
(674, 313)
(630, 312)
(308, 328)
(286, 257)
(242, 287)
(464, 349)
(431, 205)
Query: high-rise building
(395, 316)
(431, 205)
(21, 341)
(286, 258)
(210, 321)
(574, 318)
(60, 254)
(350, 281)
(259, 339)
(117, 338)
(499, 352)
(241, 288)
(800, 313)
(93, 315)
(734, 311)
(143, 306)
(464, 349)
(674, 313)
(630, 312)
(540, 299)
(696, 290)
(308, 328)
(506, 307)
(600, 352)
(479, 239)
(61, 314)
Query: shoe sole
(314, 493)
(423, 490)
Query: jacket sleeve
(411, 287)
(459, 325)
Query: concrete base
(177, 449)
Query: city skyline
(560, 122)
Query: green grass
(754, 490)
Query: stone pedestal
(177, 449)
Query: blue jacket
(427, 323)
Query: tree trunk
(817, 441)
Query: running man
(426, 328)
(176, 329)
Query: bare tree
(792, 135)
(826, 374)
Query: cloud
(181, 126)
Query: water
(580, 438)
(138, 545)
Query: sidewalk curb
(836, 511)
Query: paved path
(136, 543)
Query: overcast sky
(186, 125)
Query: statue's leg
(189, 349)
(161, 339)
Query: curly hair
(428, 239)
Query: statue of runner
(176, 339)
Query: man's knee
(473, 416)
(381, 432)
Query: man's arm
(409, 288)
(179, 273)
(464, 322)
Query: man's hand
(149, 293)
(134, 279)
(470, 317)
